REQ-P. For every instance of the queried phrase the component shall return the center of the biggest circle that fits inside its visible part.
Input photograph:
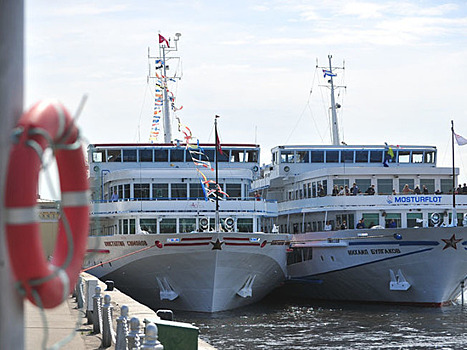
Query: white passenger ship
(155, 234)
(408, 249)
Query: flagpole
(454, 213)
(217, 174)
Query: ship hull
(204, 272)
(423, 266)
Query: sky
(254, 64)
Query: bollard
(166, 315)
(90, 288)
(107, 330)
(133, 336)
(150, 339)
(97, 311)
(80, 293)
(110, 285)
(122, 329)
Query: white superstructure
(153, 231)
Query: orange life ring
(46, 284)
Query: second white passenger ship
(370, 223)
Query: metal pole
(454, 212)
(167, 125)
(216, 220)
(335, 127)
(11, 106)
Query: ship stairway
(166, 290)
(246, 291)
(398, 281)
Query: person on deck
(361, 223)
(464, 189)
(424, 189)
(371, 190)
(417, 190)
(406, 189)
(354, 190)
(114, 197)
(335, 190)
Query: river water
(302, 324)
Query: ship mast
(335, 127)
(328, 72)
(164, 52)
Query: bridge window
(317, 156)
(177, 155)
(430, 157)
(361, 156)
(287, 157)
(114, 155)
(129, 155)
(332, 156)
(302, 157)
(161, 155)
(98, 156)
(347, 156)
(404, 156)
(145, 155)
(376, 156)
(224, 157)
(252, 156)
(417, 157)
(237, 156)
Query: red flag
(162, 39)
(219, 148)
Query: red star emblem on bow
(451, 242)
(217, 245)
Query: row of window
(390, 220)
(176, 225)
(193, 190)
(383, 186)
(354, 156)
(172, 155)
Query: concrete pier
(67, 322)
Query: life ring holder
(204, 223)
(435, 219)
(46, 125)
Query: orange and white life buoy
(46, 284)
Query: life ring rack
(46, 125)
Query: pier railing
(125, 332)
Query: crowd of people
(354, 190)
